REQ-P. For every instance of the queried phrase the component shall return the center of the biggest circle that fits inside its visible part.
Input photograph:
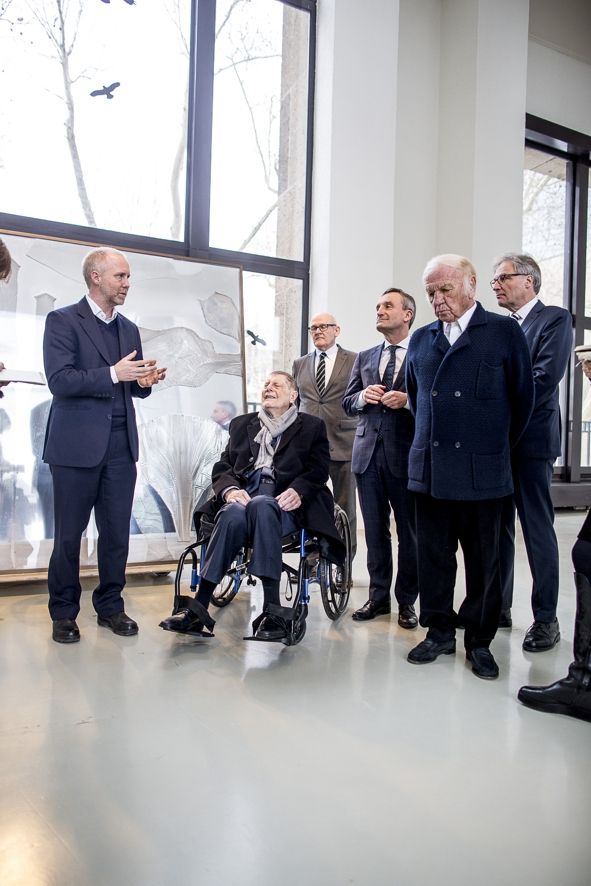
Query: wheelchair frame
(334, 581)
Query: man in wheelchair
(269, 482)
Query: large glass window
(259, 141)
(273, 320)
(556, 231)
(544, 218)
(93, 129)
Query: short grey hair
(523, 264)
(95, 261)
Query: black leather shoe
(505, 620)
(120, 623)
(65, 630)
(181, 623)
(428, 650)
(407, 617)
(483, 663)
(568, 696)
(270, 628)
(541, 636)
(370, 609)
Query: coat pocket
(490, 383)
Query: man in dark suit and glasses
(377, 394)
(321, 378)
(471, 390)
(548, 330)
(94, 366)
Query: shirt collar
(330, 352)
(98, 312)
(524, 310)
(401, 344)
(465, 318)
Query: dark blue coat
(471, 404)
(77, 367)
(549, 335)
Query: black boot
(572, 695)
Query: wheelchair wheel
(230, 584)
(335, 581)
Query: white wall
(354, 162)
(420, 118)
(559, 88)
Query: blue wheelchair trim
(313, 568)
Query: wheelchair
(312, 568)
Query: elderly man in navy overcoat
(470, 385)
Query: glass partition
(190, 319)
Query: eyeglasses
(322, 327)
(502, 277)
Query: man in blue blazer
(470, 387)
(548, 331)
(376, 393)
(94, 366)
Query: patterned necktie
(388, 376)
(517, 317)
(321, 373)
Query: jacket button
(457, 445)
(457, 393)
(434, 393)
(435, 442)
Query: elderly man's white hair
(451, 260)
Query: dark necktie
(388, 377)
(321, 373)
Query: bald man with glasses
(548, 330)
(321, 378)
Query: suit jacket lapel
(89, 325)
(288, 433)
(532, 316)
(400, 376)
(375, 363)
(337, 368)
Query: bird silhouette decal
(106, 90)
(255, 338)
(129, 2)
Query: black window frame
(572, 482)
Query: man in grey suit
(548, 331)
(321, 378)
(377, 393)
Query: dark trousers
(108, 488)
(532, 479)
(442, 525)
(343, 490)
(260, 525)
(379, 490)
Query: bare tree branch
(55, 31)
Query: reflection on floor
(161, 760)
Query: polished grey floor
(163, 760)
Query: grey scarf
(271, 428)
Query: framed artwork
(190, 318)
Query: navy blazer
(549, 334)
(395, 425)
(77, 367)
(472, 403)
